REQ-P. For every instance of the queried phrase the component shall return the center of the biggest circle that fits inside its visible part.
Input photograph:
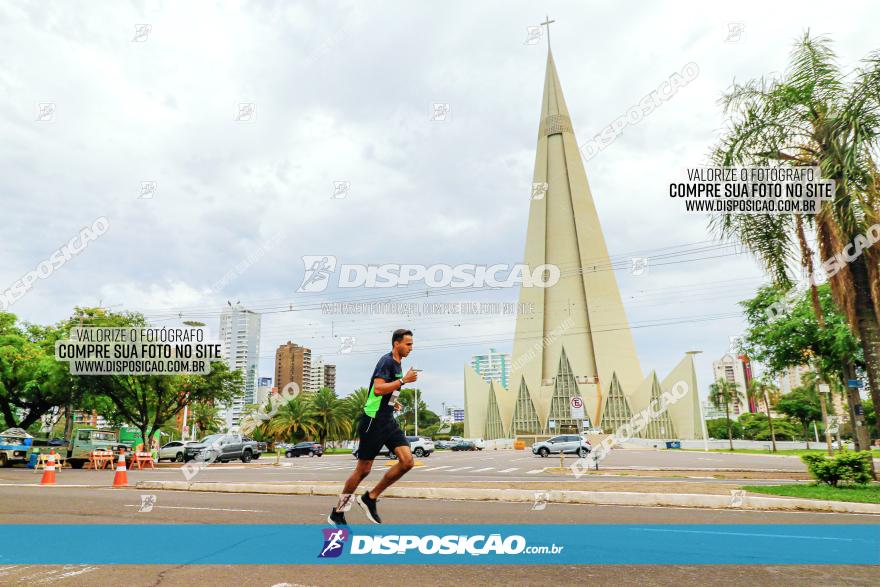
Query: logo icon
(147, 503)
(142, 33)
(346, 344)
(539, 190)
(334, 541)
(533, 35)
(440, 112)
(318, 270)
(46, 112)
(639, 266)
(148, 190)
(341, 188)
(245, 112)
(735, 32)
(541, 499)
(736, 497)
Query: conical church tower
(579, 334)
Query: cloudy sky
(342, 92)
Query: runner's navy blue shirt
(379, 406)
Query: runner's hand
(398, 406)
(410, 376)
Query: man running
(376, 428)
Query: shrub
(846, 467)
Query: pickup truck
(14, 447)
(223, 448)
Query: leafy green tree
(146, 401)
(815, 115)
(721, 427)
(802, 405)
(32, 382)
(722, 393)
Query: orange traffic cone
(49, 470)
(121, 478)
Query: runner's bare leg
(361, 470)
(404, 464)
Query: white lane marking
(509, 470)
(484, 469)
(458, 469)
(52, 576)
(180, 507)
(534, 471)
(438, 468)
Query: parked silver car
(174, 450)
(564, 443)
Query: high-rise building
(293, 364)
(493, 366)
(734, 369)
(316, 375)
(240, 337)
(330, 376)
(577, 343)
(792, 377)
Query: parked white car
(420, 446)
(478, 442)
(173, 451)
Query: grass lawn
(757, 451)
(861, 493)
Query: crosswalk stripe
(458, 469)
(534, 471)
(483, 469)
(438, 468)
(509, 470)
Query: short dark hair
(399, 334)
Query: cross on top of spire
(547, 23)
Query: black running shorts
(374, 434)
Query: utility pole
(417, 411)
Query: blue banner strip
(624, 544)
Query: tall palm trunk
(868, 328)
(770, 420)
(729, 431)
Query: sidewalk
(661, 495)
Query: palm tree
(354, 407)
(329, 415)
(292, 420)
(760, 390)
(814, 116)
(206, 417)
(722, 393)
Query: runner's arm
(382, 387)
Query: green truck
(85, 440)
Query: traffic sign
(824, 388)
(577, 408)
(855, 383)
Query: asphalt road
(442, 466)
(28, 504)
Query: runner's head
(402, 341)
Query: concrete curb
(743, 502)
